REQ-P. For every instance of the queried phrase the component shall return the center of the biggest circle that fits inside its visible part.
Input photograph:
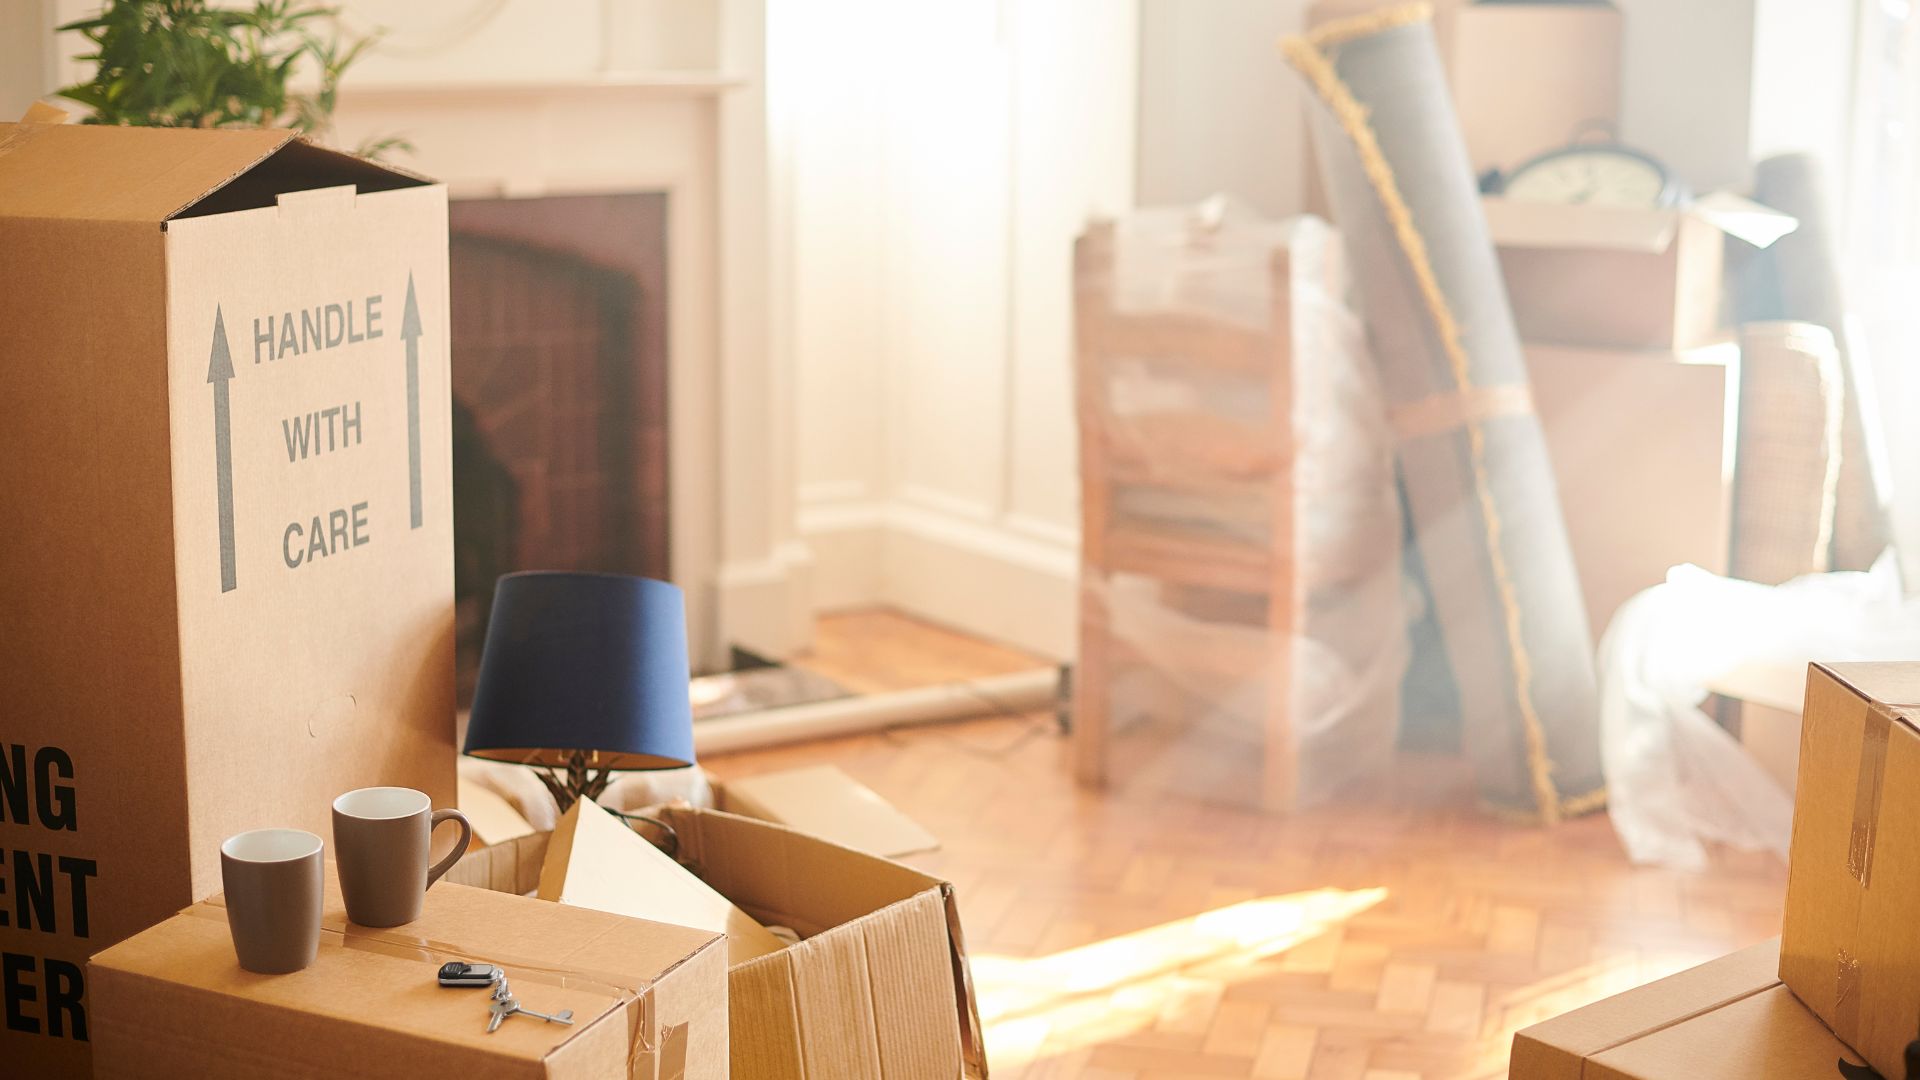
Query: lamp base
(578, 783)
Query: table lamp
(585, 673)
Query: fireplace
(653, 188)
(560, 387)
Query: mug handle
(459, 849)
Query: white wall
(1686, 86)
(941, 160)
(1803, 84)
(1220, 111)
(26, 55)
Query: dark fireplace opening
(560, 393)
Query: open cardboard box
(879, 984)
(649, 999)
(1621, 277)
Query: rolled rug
(1471, 451)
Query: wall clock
(1596, 174)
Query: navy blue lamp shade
(584, 664)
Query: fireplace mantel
(665, 84)
(700, 137)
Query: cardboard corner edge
(553, 869)
(973, 1046)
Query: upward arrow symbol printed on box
(219, 373)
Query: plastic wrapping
(1676, 780)
(1242, 612)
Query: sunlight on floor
(1090, 994)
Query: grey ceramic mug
(381, 841)
(272, 883)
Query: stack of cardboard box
(1840, 985)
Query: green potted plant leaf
(185, 63)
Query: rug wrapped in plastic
(1471, 451)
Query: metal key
(504, 1004)
(512, 1007)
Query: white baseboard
(1002, 581)
(766, 606)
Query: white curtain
(1881, 249)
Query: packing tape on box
(669, 1050)
(1846, 997)
(1439, 414)
(1866, 795)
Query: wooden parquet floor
(1396, 936)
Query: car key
(504, 1004)
(457, 973)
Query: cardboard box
(1850, 946)
(1642, 450)
(226, 566)
(1525, 78)
(1618, 277)
(879, 984)
(1528, 78)
(822, 801)
(1730, 1019)
(649, 1000)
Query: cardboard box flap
(1519, 223)
(1894, 684)
(120, 173)
(138, 174)
(776, 873)
(1743, 219)
(594, 860)
(823, 801)
(298, 165)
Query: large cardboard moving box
(1642, 449)
(649, 1000)
(1850, 947)
(878, 987)
(225, 532)
(1725, 1020)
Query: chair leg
(1279, 778)
(1092, 690)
